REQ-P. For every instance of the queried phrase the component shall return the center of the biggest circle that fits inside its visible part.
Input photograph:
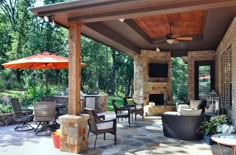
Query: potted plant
(211, 127)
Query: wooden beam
(107, 32)
(154, 9)
(137, 29)
(74, 68)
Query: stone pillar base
(74, 133)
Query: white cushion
(106, 125)
(123, 112)
(182, 106)
(171, 113)
(190, 112)
(194, 103)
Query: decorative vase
(207, 139)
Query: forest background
(107, 71)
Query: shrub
(210, 127)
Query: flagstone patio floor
(145, 137)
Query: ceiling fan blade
(158, 40)
(184, 38)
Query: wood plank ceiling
(184, 24)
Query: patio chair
(98, 126)
(121, 112)
(22, 116)
(135, 108)
(44, 114)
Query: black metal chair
(21, 116)
(121, 112)
(135, 108)
(98, 126)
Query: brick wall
(142, 86)
(192, 57)
(228, 40)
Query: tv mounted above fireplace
(157, 70)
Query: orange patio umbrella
(43, 60)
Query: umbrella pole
(46, 80)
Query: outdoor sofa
(181, 126)
(184, 123)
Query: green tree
(179, 88)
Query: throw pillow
(182, 106)
(190, 112)
(194, 103)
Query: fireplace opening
(158, 99)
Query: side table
(225, 139)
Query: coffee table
(225, 139)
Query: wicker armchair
(135, 108)
(21, 116)
(121, 112)
(98, 126)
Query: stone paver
(145, 137)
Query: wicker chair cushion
(123, 112)
(130, 101)
(105, 125)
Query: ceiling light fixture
(122, 19)
(170, 41)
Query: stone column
(74, 133)
(74, 125)
(138, 80)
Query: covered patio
(152, 32)
(201, 32)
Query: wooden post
(74, 68)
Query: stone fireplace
(144, 85)
(158, 99)
(152, 87)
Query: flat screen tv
(157, 70)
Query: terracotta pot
(56, 140)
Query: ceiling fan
(171, 38)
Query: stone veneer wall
(142, 87)
(74, 133)
(192, 57)
(228, 40)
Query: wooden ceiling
(184, 24)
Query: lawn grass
(118, 100)
(12, 93)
